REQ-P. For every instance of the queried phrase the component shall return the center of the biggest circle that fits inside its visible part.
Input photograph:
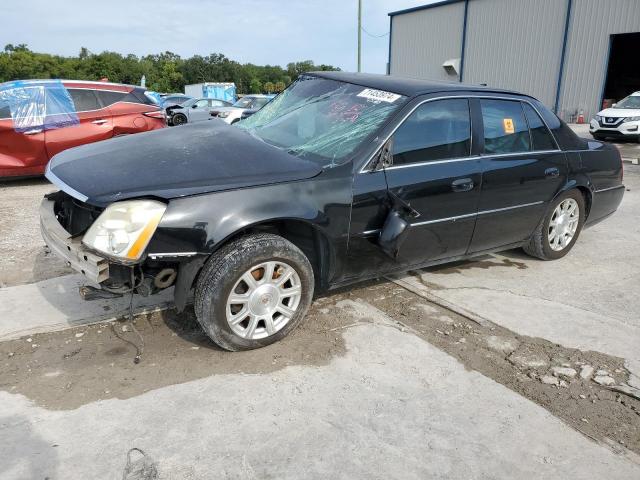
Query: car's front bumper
(624, 129)
(71, 249)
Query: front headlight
(632, 119)
(124, 229)
(223, 114)
(598, 118)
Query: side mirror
(194, 106)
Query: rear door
(434, 173)
(95, 123)
(522, 170)
(132, 111)
(20, 153)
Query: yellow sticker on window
(508, 126)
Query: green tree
(165, 72)
(255, 86)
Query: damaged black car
(341, 178)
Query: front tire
(179, 119)
(253, 292)
(558, 231)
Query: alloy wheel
(263, 300)
(563, 224)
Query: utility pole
(359, 35)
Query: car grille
(610, 122)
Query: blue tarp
(38, 105)
(221, 92)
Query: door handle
(33, 132)
(99, 122)
(552, 172)
(462, 185)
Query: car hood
(620, 112)
(174, 162)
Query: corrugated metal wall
(592, 22)
(515, 44)
(423, 40)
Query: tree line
(164, 72)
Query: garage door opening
(623, 74)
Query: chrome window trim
(461, 217)
(365, 169)
(607, 189)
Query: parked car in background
(173, 99)
(233, 113)
(40, 118)
(621, 121)
(194, 110)
(342, 178)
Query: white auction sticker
(379, 95)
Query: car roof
(635, 94)
(409, 87)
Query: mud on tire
(222, 272)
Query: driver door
(199, 111)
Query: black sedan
(341, 178)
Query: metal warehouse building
(570, 54)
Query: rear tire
(559, 229)
(239, 314)
(179, 119)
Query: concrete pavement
(55, 304)
(392, 407)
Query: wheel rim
(263, 300)
(563, 224)
(179, 120)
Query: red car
(40, 118)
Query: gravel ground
(25, 258)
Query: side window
(84, 100)
(202, 103)
(5, 111)
(109, 98)
(540, 135)
(505, 129)
(436, 130)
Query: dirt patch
(64, 370)
(523, 364)
(25, 259)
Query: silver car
(233, 113)
(194, 110)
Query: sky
(273, 32)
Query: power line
(373, 35)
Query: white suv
(621, 121)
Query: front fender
(200, 224)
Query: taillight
(155, 114)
